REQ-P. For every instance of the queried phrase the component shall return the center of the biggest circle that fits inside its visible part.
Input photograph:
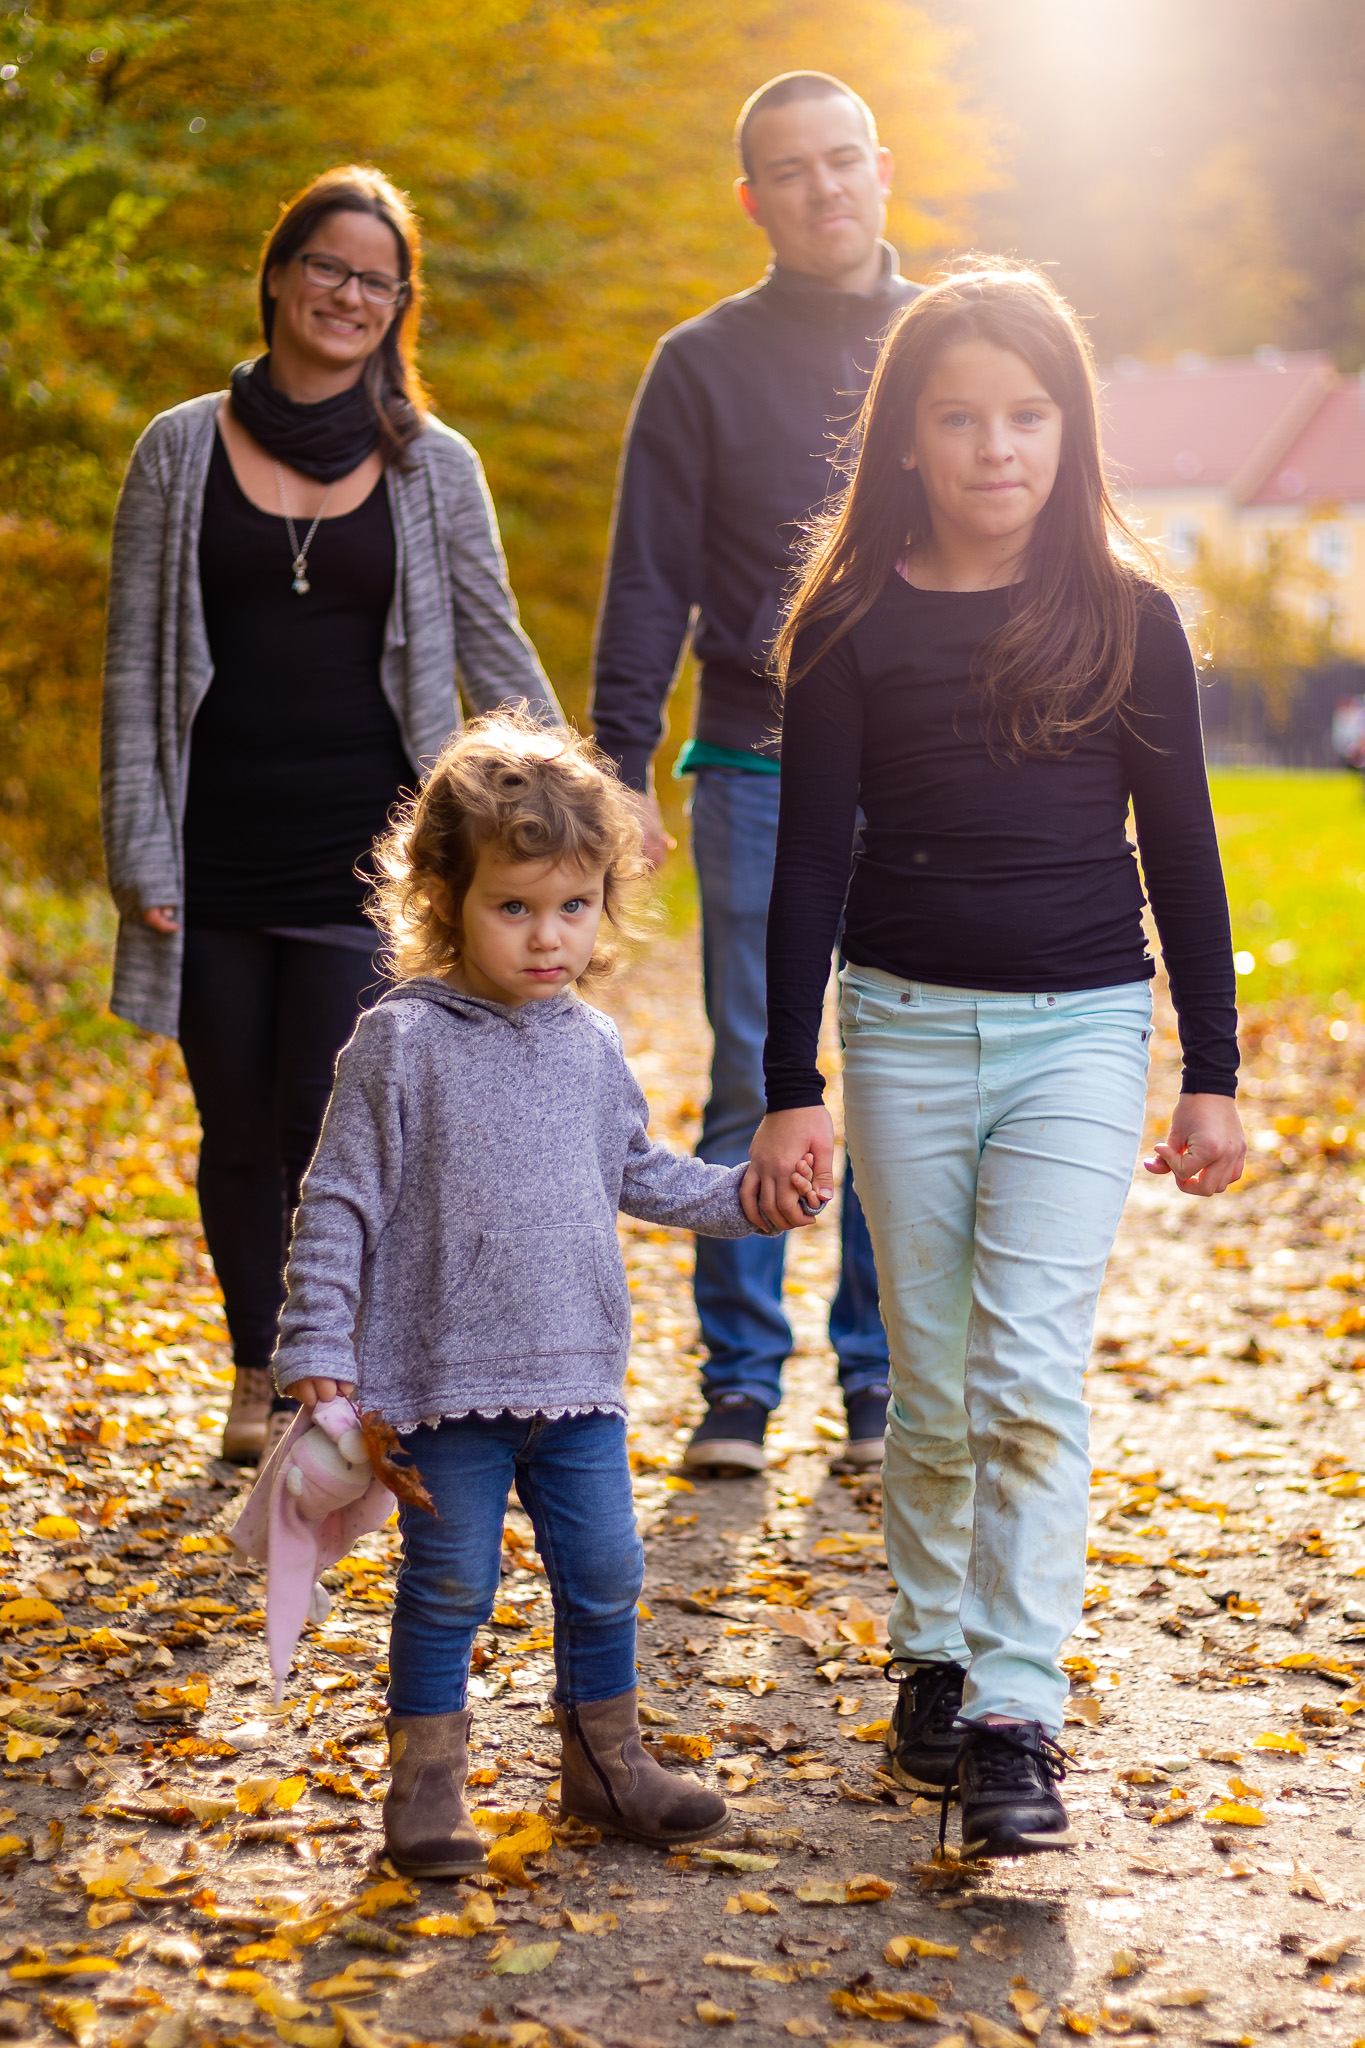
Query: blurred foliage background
(1191, 174)
(571, 164)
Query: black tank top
(295, 756)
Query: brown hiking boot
(608, 1777)
(427, 1829)
(244, 1432)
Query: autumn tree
(571, 165)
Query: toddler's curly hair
(533, 794)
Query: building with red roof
(1222, 450)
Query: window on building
(1180, 539)
(1329, 544)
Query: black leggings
(262, 1020)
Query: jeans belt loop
(914, 995)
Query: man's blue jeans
(573, 1480)
(738, 1282)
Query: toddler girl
(455, 1263)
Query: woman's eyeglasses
(330, 274)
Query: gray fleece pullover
(455, 1250)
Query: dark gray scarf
(325, 441)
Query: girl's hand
(792, 1156)
(1206, 1149)
(163, 919)
(310, 1392)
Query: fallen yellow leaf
(1270, 1740)
(528, 1960)
(713, 2015)
(869, 1731)
(749, 1902)
(1228, 1813)
(902, 1946)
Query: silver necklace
(300, 554)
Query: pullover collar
(809, 299)
(530, 1016)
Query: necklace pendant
(301, 583)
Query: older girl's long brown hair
(1063, 661)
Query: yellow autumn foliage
(572, 168)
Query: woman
(975, 657)
(299, 567)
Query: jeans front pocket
(548, 1292)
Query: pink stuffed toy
(313, 1498)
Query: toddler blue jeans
(994, 1138)
(573, 1479)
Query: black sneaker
(866, 1412)
(923, 1737)
(1006, 1780)
(729, 1437)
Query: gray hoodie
(455, 1250)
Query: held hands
(163, 919)
(791, 1162)
(1206, 1149)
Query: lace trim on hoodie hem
(491, 1414)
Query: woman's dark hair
(1064, 659)
(390, 378)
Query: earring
(905, 462)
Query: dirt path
(1227, 1554)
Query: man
(728, 450)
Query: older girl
(974, 656)
(300, 565)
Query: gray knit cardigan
(452, 608)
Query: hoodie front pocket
(542, 1293)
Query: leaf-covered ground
(177, 1865)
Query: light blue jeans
(994, 1139)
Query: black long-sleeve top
(727, 452)
(296, 755)
(979, 872)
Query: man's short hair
(782, 92)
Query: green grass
(1293, 843)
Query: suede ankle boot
(427, 1829)
(608, 1777)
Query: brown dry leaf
(988, 2033)
(1124, 1963)
(794, 1621)
(392, 1464)
(76, 2017)
(1333, 1951)
(998, 1943)
(1028, 2003)
(1076, 2022)
(721, 1959)
(1184, 1994)
(804, 2029)
(1306, 1884)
